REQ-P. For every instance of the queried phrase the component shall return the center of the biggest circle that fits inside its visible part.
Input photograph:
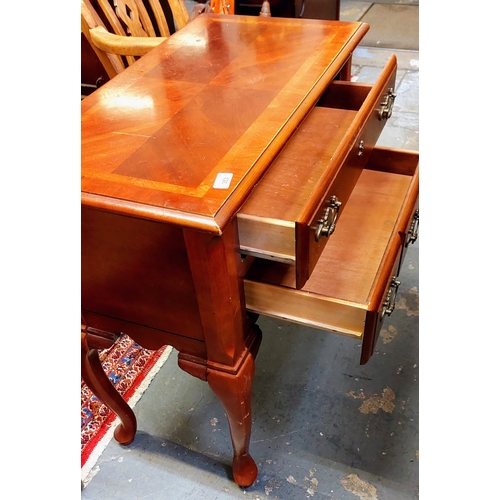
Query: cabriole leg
(234, 391)
(99, 383)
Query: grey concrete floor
(311, 436)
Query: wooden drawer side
(315, 311)
(275, 239)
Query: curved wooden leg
(99, 383)
(234, 391)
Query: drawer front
(295, 207)
(375, 318)
(352, 288)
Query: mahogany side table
(231, 172)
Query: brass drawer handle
(412, 235)
(326, 225)
(390, 299)
(386, 105)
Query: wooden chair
(121, 31)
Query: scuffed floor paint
(271, 485)
(311, 485)
(402, 303)
(355, 485)
(388, 335)
(360, 395)
(376, 402)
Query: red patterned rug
(131, 369)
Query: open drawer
(294, 209)
(354, 284)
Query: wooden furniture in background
(93, 74)
(277, 8)
(318, 9)
(307, 9)
(183, 150)
(122, 31)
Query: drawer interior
(341, 288)
(266, 222)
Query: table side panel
(149, 338)
(137, 270)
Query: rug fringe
(88, 471)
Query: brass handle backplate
(326, 225)
(386, 105)
(390, 299)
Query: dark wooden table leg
(99, 383)
(233, 387)
(234, 391)
(231, 340)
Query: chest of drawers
(231, 172)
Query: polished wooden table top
(184, 134)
